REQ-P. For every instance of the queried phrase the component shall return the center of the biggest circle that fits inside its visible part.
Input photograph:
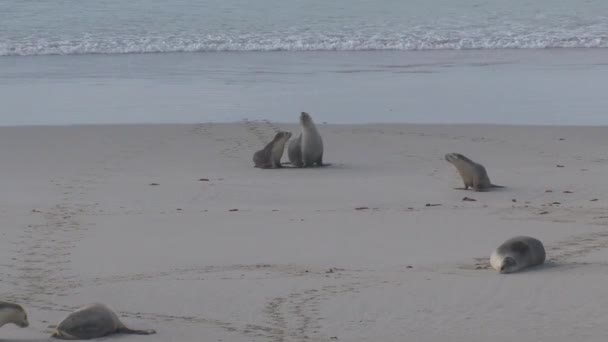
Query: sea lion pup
(270, 156)
(13, 313)
(92, 321)
(517, 253)
(473, 175)
(307, 149)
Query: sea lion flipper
(125, 330)
(319, 161)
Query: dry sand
(82, 222)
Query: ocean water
(41, 27)
(345, 61)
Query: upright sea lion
(473, 175)
(92, 321)
(13, 313)
(517, 253)
(270, 156)
(307, 149)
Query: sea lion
(294, 152)
(13, 313)
(307, 149)
(517, 253)
(92, 321)
(270, 156)
(473, 175)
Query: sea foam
(338, 41)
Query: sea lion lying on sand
(92, 321)
(517, 253)
(13, 313)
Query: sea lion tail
(136, 332)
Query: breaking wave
(341, 41)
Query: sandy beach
(173, 227)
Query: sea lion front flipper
(265, 166)
(319, 161)
(125, 330)
(480, 189)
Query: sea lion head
(305, 118)
(452, 157)
(16, 314)
(22, 319)
(282, 136)
(508, 265)
(456, 157)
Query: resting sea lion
(13, 313)
(92, 321)
(517, 253)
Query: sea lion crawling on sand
(307, 149)
(517, 253)
(270, 156)
(473, 175)
(93, 321)
(13, 313)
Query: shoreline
(293, 123)
(517, 87)
(438, 50)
